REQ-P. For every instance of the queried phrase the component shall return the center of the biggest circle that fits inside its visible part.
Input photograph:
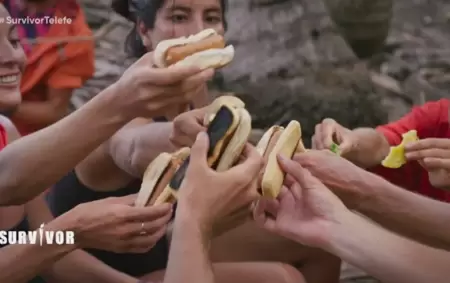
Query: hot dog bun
(158, 174)
(229, 100)
(228, 133)
(205, 49)
(285, 144)
(236, 145)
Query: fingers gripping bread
(228, 133)
(278, 141)
(158, 175)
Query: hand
(304, 211)
(145, 91)
(329, 132)
(186, 126)
(113, 224)
(434, 155)
(209, 196)
(351, 183)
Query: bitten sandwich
(283, 141)
(228, 133)
(205, 49)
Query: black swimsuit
(69, 192)
(23, 226)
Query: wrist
(188, 216)
(338, 231)
(111, 107)
(70, 221)
(67, 227)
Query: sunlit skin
(12, 63)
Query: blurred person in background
(54, 68)
(426, 172)
(116, 168)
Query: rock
(292, 63)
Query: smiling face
(178, 18)
(12, 63)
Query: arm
(189, 252)
(386, 256)
(407, 213)
(425, 119)
(126, 155)
(43, 113)
(61, 143)
(33, 258)
(77, 266)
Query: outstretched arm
(33, 163)
(78, 265)
(33, 258)
(409, 214)
(189, 251)
(387, 256)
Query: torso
(12, 218)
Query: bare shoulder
(11, 130)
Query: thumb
(199, 151)
(346, 145)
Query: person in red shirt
(387, 198)
(54, 68)
(368, 147)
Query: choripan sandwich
(205, 49)
(158, 174)
(228, 133)
(278, 141)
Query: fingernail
(282, 158)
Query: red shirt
(431, 120)
(3, 137)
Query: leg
(250, 243)
(247, 272)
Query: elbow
(10, 195)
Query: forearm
(79, 266)
(189, 256)
(386, 256)
(407, 213)
(21, 263)
(371, 147)
(33, 163)
(38, 113)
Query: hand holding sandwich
(207, 195)
(113, 224)
(146, 91)
(305, 210)
(350, 182)
(186, 127)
